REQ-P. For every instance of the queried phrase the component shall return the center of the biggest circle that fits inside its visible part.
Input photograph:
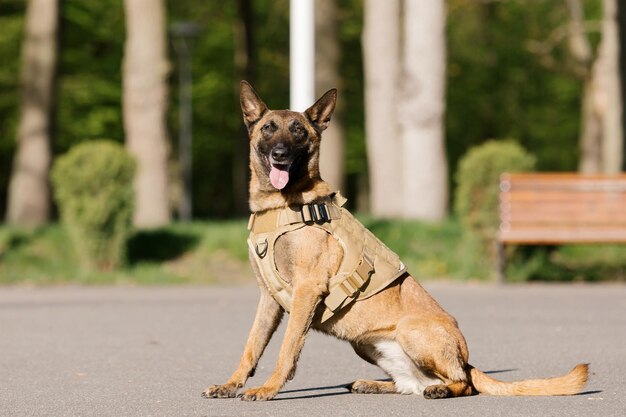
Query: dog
(400, 328)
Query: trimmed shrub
(477, 192)
(94, 191)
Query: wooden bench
(550, 208)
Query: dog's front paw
(259, 394)
(221, 391)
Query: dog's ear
(252, 106)
(319, 113)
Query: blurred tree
(12, 22)
(583, 57)
(381, 53)
(608, 77)
(601, 136)
(352, 104)
(405, 103)
(500, 85)
(29, 190)
(90, 80)
(245, 55)
(145, 104)
(621, 24)
(421, 113)
(327, 76)
(183, 34)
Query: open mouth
(279, 173)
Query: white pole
(301, 54)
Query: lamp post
(301, 54)
(182, 34)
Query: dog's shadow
(342, 390)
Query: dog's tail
(568, 384)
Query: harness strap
(346, 287)
(375, 267)
(267, 221)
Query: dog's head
(284, 144)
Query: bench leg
(501, 262)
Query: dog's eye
(268, 129)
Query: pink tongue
(279, 176)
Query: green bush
(477, 192)
(94, 191)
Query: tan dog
(401, 329)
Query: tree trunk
(621, 24)
(590, 161)
(590, 139)
(245, 65)
(608, 71)
(327, 76)
(29, 190)
(145, 105)
(601, 138)
(422, 108)
(381, 40)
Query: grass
(428, 250)
(216, 252)
(199, 252)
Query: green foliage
(478, 176)
(216, 252)
(93, 188)
(89, 79)
(428, 250)
(496, 85)
(207, 252)
(477, 197)
(11, 22)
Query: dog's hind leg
(362, 386)
(437, 348)
(390, 357)
(368, 353)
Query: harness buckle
(261, 248)
(312, 212)
(315, 213)
(324, 217)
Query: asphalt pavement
(151, 351)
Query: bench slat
(595, 217)
(562, 208)
(546, 179)
(549, 208)
(560, 235)
(539, 197)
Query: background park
(123, 170)
(516, 86)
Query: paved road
(125, 351)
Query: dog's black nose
(279, 153)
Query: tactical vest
(368, 266)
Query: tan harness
(368, 265)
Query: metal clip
(312, 212)
(323, 212)
(261, 248)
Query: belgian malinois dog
(402, 329)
